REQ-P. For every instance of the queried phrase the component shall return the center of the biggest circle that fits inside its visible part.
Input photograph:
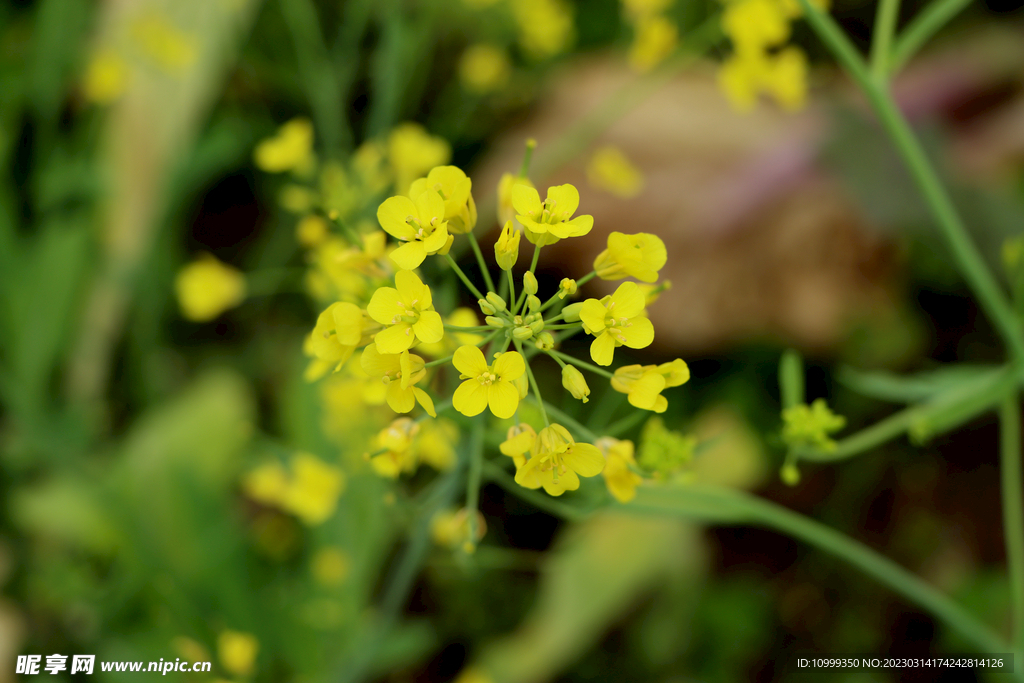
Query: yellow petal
(593, 314)
(509, 366)
(627, 301)
(393, 214)
(566, 200)
(646, 390)
(639, 334)
(401, 400)
(410, 255)
(470, 361)
(602, 350)
(429, 328)
(394, 339)
(526, 200)
(470, 398)
(348, 323)
(383, 306)
(503, 399)
(424, 400)
(584, 459)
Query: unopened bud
(494, 322)
(571, 313)
(496, 301)
(537, 326)
(522, 385)
(485, 307)
(544, 341)
(530, 283)
(575, 384)
(790, 474)
(522, 333)
(532, 303)
(566, 287)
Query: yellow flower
(641, 256)
(312, 231)
(547, 222)
(484, 68)
(395, 441)
(809, 426)
(169, 47)
(290, 150)
(106, 76)
(346, 271)
(419, 223)
(206, 288)
(654, 39)
(519, 441)
(436, 443)
(545, 26)
(610, 170)
(450, 528)
(237, 652)
(400, 373)
(339, 330)
(407, 312)
(412, 152)
(487, 385)
(506, 248)
(616, 320)
(574, 383)
(618, 477)
(330, 566)
(313, 492)
(507, 212)
(786, 80)
(268, 483)
(755, 25)
(643, 384)
(558, 462)
(452, 185)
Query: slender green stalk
(791, 379)
(729, 506)
(626, 423)
(539, 500)
(968, 259)
(566, 326)
(533, 383)
(512, 293)
(524, 169)
(462, 276)
(586, 278)
(571, 422)
(536, 258)
(1013, 511)
(477, 328)
(582, 363)
(476, 463)
(881, 38)
(924, 26)
(481, 262)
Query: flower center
(487, 378)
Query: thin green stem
(582, 363)
(730, 506)
(481, 262)
(924, 26)
(881, 39)
(512, 293)
(625, 424)
(1013, 511)
(571, 422)
(969, 260)
(477, 328)
(533, 383)
(476, 462)
(524, 169)
(462, 276)
(536, 258)
(586, 278)
(566, 326)
(539, 500)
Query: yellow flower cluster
(761, 62)
(310, 491)
(655, 36)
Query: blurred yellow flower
(654, 39)
(618, 477)
(487, 385)
(641, 256)
(291, 149)
(394, 453)
(237, 652)
(106, 76)
(206, 288)
(330, 566)
(545, 26)
(783, 75)
(616, 320)
(312, 231)
(436, 443)
(169, 47)
(507, 212)
(339, 330)
(310, 492)
(484, 68)
(450, 529)
(610, 170)
(755, 25)
(412, 152)
(460, 317)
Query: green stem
(512, 293)
(481, 262)
(582, 363)
(536, 258)
(729, 506)
(462, 276)
(626, 423)
(586, 278)
(533, 383)
(1013, 511)
(476, 462)
(477, 328)
(969, 260)
(881, 39)
(524, 169)
(539, 500)
(571, 422)
(924, 26)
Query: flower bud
(522, 385)
(544, 341)
(485, 307)
(789, 474)
(571, 313)
(506, 249)
(530, 283)
(537, 325)
(494, 322)
(532, 303)
(573, 381)
(522, 333)
(566, 287)
(443, 251)
(496, 301)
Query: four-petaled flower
(557, 462)
(616, 320)
(454, 187)
(406, 312)
(643, 384)
(400, 372)
(419, 223)
(640, 256)
(487, 385)
(618, 477)
(552, 220)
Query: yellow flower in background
(616, 320)
(610, 170)
(436, 443)
(547, 222)
(399, 373)
(559, 462)
(403, 444)
(106, 76)
(419, 223)
(313, 491)
(545, 26)
(618, 477)
(455, 188)
(755, 25)
(339, 330)
(783, 75)
(486, 385)
(450, 529)
(654, 39)
(641, 256)
(268, 483)
(407, 313)
(347, 272)
(484, 68)
(206, 288)
(190, 649)
(786, 79)
(172, 49)
(520, 440)
(643, 384)
(237, 652)
(412, 152)
(507, 212)
(653, 292)
(506, 248)
(330, 566)
(809, 426)
(291, 149)
(312, 231)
